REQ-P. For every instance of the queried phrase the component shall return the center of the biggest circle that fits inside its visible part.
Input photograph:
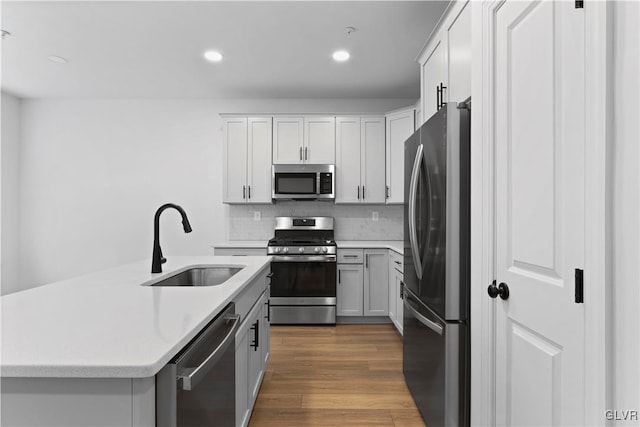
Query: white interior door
(539, 129)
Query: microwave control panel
(326, 183)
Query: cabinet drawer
(350, 256)
(396, 260)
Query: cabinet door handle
(358, 192)
(300, 153)
(363, 193)
(339, 271)
(438, 92)
(249, 187)
(268, 316)
(244, 192)
(306, 152)
(386, 191)
(366, 261)
(256, 337)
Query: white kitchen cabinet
(247, 159)
(360, 160)
(265, 330)
(250, 359)
(418, 117)
(400, 126)
(362, 282)
(446, 60)
(319, 140)
(304, 140)
(288, 139)
(396, 308)
(349, 290)
(376, 279)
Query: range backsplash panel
(352, 222)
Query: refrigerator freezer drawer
(436, 365)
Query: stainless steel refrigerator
(436, 342)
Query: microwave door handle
(413, 235)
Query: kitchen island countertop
(111, 324)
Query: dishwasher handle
(194, 376)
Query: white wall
(93, 172)
(626, 208)
(9, 243)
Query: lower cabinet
(396, 308)
(349, 290)
(252, 355)
(362, 288)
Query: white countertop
(106, 325)
(395, 245)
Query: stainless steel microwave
(303, 182)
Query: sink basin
(200, 276)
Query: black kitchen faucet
(157, 259)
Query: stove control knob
(325, 250)
(285, 250)
(301, 250)
(278, 250)
(317, 250)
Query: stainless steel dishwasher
(197, 387)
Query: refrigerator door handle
(413, 235)
(422, 319)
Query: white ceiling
(272, 49)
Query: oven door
(309, 278)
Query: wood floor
(347, 375)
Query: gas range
(303, 236)
(303, 284)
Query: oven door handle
(303, 258)
(190, 380)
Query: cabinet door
(287, 140)
(259, 160)
(376, 279)
(459, 56)
(397, 288)
(392, 292)
(242, 375)
(234, 162)
(349, 293)
(265, 331)
(372, 152)
(400, 126)
(319, 140)
(348, 160)
(433, 71)
(255, 361)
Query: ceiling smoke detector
(349, 30)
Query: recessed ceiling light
(58, 59)
(213, 56)
(341, 55)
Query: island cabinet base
(78, 402)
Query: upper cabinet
(247, 160)
(304, 139)
(445, 62)
(360, 160)
(400, 126)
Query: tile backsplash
(352, 222)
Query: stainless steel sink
(200, 276)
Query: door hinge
(579, 286)
(579, 4)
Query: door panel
(373, 160)
(347, 160)
(376, 282)
(400, 126)
(539, 127)
(235, 159)
(349, 290)
(259, 166)
(287, 140)
(320, 140)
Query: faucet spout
(157, 259)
